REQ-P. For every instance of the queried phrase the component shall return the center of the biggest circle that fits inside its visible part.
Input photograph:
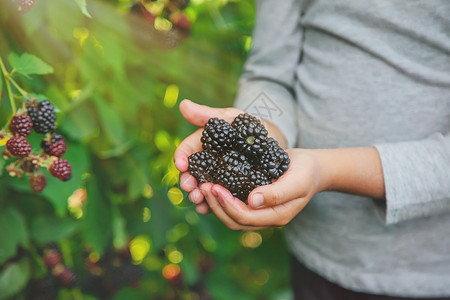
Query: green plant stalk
(6, 75)
(24, 94)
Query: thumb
(285, 189)
(200, 114)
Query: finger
(265, 217)
(289, 186)
(217, 209)
(202, 208)
(187, 182)
(200, 114)
(189, 145)
(196, 196)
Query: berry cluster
(239, 156)
(111, 272)
(168, 23)
(58, 275)
(40, 117)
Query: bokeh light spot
(139, 247)
(146, 214)
(171, 271)
(261, 277)
(171, 96)
(175, 195)
(175, 256)
(147, 191)
(251, 239)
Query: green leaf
(49, 229)
(97, 229)
(27, 64)
(13, 278)
(83, 7)
(13, 233)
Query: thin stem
(8, 86)
(24, 94)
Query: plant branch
(6, 75)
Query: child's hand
(270, 205)
(199, 115)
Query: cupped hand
(199, 116)
(270, 205)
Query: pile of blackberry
(239, 156)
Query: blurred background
(121, 228)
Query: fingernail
(257, 200)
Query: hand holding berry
(200, 115)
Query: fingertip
(256, 200)
(181, 163)
(202, 208)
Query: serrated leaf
(13, 233)
(83, 6)
(13, 278)
(28, 64)
(49, 229)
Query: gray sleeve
(417, 177)
(266, 86)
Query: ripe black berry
(218, 135)
(275, 160)
(43, 115)
(38, 183)
(251, 136)
(18, 146)
(55, 145)
(61, 169)
(21, 125)
(232, 172)
(202, 165)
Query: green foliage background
(115, 86)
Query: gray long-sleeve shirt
(364, 73)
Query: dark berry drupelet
(18, 146)
(21, 125)
(275, 161)
(61, 169)
(251, 136)
(54, 145)
(38, 182)
(43, 115)
(202, 165)
(52, 258)
(218, 135)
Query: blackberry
(61, 169)
(38, 183)
(18, 146)
(202, 165)
(66, 277)
(251, 136)
(54, 145)
(232, 173)
(218, 135)
(52, 258)
(275, 160)
(21, 125)
(43, 115)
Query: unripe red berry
(18, 146)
